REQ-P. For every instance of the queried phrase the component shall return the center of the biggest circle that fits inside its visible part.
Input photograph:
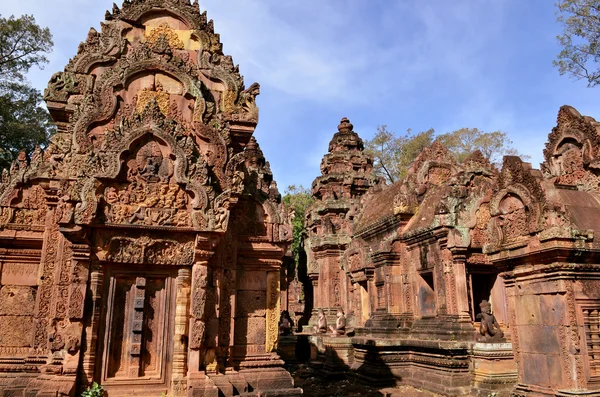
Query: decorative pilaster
(93, 323)
(182, 301)
(197, 308)
(273, 308)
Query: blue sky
(416, 64)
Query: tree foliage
(493, 145)
(23, 44)
(24, 124)
(394, 154)
(298, 199)
(580, 39)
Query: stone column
(182, 301)
(93, 326)
(365, 305)
(461, 290)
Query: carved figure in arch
(321, 326)
(489, 326)
(237, 182)
(513, 219)
(150, 163)
(336, 292)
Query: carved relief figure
(513, 221)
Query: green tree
(493, 145)
(580, 39)
(298, 199)
(24, 123)
(393, 154)
(23, 44)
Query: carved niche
(570, 154)
(514, 217)
(432, 167)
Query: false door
(138, 329)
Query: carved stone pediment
(571, 154)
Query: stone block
(19, 274)
(528, 310)
(251, 304)
(250, 330)
(539, 339)
(552, 309)
(252, 280)
(535, 372)
(16, 331)
(17, 300)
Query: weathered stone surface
(16, 331)
(17, 300)
(252, 304)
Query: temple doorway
(136, 340)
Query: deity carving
(150, 197)
(438, 175)
(143, 203)
(513, 219)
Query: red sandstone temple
(145, 248)
(142, 249)
(417, 266)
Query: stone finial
(345, 125)
(252, 144)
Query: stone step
(202, 386)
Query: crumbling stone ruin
(146, 248)
(462, 279)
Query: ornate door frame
(135, 325)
